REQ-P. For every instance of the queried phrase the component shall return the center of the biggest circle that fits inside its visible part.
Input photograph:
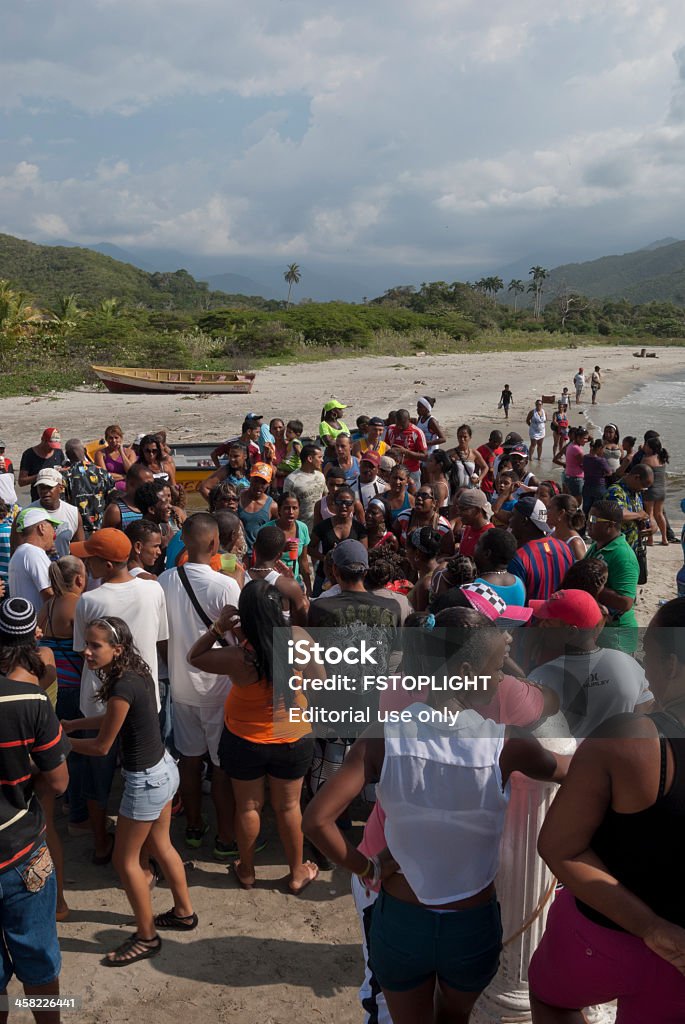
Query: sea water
(658, 404)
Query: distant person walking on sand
(536, 420)
(579, 383)
(506, 399)
(595, 383)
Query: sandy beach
(265, 957)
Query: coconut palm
(539, 274)
(67, 315)
(17, 315)
(292, 276)
(516, 287)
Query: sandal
(307, 881)
(133, 950)
(172, 921)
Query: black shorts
(243, 760)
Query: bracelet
(372, 875)
(368, 870)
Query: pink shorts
(579, 963)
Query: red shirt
(470, 538)
(489, 455)
(413, 439)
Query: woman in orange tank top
(263, 735)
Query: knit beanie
(17, 622)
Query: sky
(455, 135)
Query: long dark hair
(150, 439)
(656, 448)
(24, 656)
(128, 661)
(261, 611)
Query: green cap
(333, 404)
(33, 515)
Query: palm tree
(539, 274)
(292, 276)
(17, 315)
(67, 315)
(516, 287)
(108, 309)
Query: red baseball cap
(373, 457)
(574, 607)
(52, 437)
(110, 544)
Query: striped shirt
(5, 531)
(29, 731)
(542, 565)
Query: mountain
(47, 272)
(655, 273)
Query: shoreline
(464, 385)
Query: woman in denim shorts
(150, 782)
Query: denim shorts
(409, 944)
(28, 948)
(147, 793)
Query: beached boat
(194, 382)
(193, 461)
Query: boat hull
(122, 380)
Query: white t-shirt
(594, 686)
(368, 491)
(7, 491)
(141, 604)
(28, 573)
(579, 381)
(69, 518)
(213, 591)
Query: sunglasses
(597, 519)
(344, 503)
(423, 495)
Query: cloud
(455, 131)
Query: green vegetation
(654, 274)
(49, 272)
(65, 309)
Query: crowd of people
(137, 633)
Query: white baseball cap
(32, 516)
(49, 477)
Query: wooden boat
(195, 382)
(193, 461)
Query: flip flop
(172, 921)
(146, 948)
(308, 881)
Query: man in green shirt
(620, 591)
